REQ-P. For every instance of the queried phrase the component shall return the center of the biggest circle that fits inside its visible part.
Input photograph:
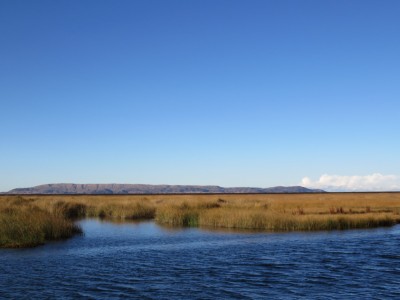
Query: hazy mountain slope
(67, 188)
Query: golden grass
(283, 212)
(271, 212)
(104, 207)
(23, 224)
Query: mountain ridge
(126, 189)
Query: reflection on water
(144, 261)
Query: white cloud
(373, 182)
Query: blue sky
(231, 93)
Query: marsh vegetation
(31, 220)
(25, 224)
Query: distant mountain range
(67, 188)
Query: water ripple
(144, 261)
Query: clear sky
(230, 93)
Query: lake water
(145, 261)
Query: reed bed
(284, 222)
(28, 215)
(23, 224)
(103, 207)
(272, 215)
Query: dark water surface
(144, 261)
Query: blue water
(145, 261)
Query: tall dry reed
(23, 224)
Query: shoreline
(29, 220)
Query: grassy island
(30, 220)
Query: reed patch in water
(178, 215)
(24, 225)
(273, 215)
